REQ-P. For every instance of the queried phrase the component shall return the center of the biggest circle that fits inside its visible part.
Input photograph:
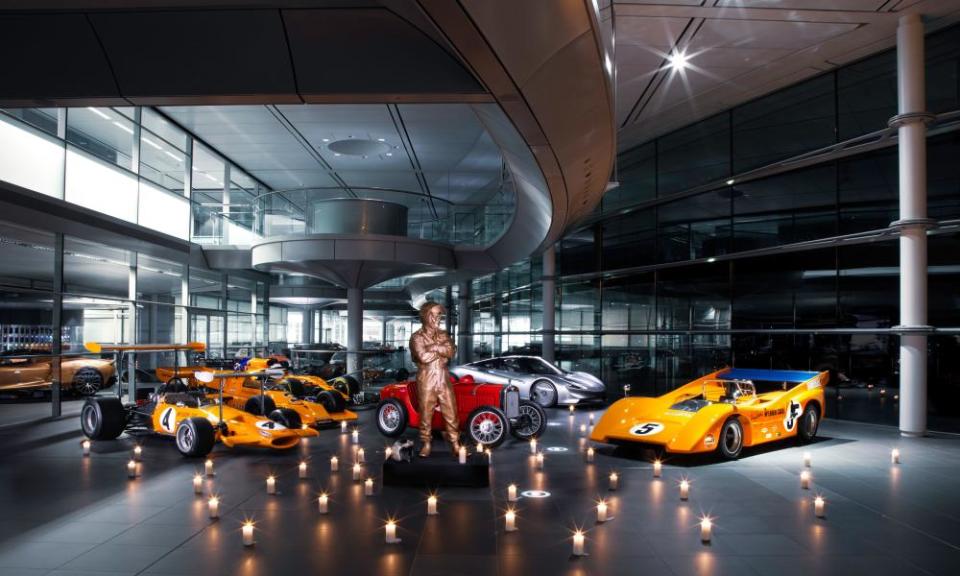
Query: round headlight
(709, 439)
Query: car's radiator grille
(511, 403)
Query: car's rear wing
(97, 347)
(794, 376)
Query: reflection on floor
(65, 514)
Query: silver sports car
(537, 379)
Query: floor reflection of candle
(583, 429)
(463, 455)
(432, 505)
(602, 511)
(512, 493)
(213, 507)
(357, 471)
(208, 467)
(343, 427)
(614, 480)
(706, 529)
(590, 453)
(248, 533)
(356, 436)
(303, 469)
(361, 456)
(388, 453)
(86, 447)
(198, 484)
(805, 479)
(818, 506)
(368, 487)
(807, 459)
(271, 485)
(533, 445)
(334, 463)
(591, 418)
(323, 501)
(539, 460)
(578, 541)
(131, 469)
(895, 456)
(511, 520)
(390, 531)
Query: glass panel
(43, 119)
(579, 306)
(98, 186)
(637, 176)
(162, 163)
(695, 227)
(170, 133)
(629, 303)
(159, 280)
(944, 280)
(30, 159)
(206, 289)
(26, 257)
(868, 191)
(694, 155)
(163, 211)
(694, 297)
(630, 240)
(578, 253)
(867, 95)
(943, 177)
(26, 333)
(104, 133)
(943, 70)
(96, 269)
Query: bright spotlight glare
(678, 61)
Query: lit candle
(805, 479)
(657, 468)
(391, 532)
(590, 454)
(303, 469)
(271, 485)
(357, 471)
(197, 484)
(706, 529)
(208, 467)
(883, 391)
(432, 505)
(323, 502)
(578, 543)
(533, 445)
(334, 463)
(511, 520)
(807, 459)
(614, 480)
(571, 408)
(591, 418)
(388, 453)
(361, 456)
(480, 449)
(248, 533)
(895, 456)
(86, 447)
(539, 460)
(684, 489)
(356, 436)
(368, 487)
(131, 469)
(512, 493)
(343, 426)
(213, 507)
(583, 429)
(818, 505)
(463, 455)
(137, 452)
(602, 511)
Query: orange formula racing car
(723, 411)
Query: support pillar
(913, 224)
(464, 323)
(354, 329)
(549, 280)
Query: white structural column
(464, 323)
(549, 279)
(913, 223)
(354, 329)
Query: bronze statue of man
(431, 349)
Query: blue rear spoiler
(766, 375)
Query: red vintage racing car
(487, 412)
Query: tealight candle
(533, 445)
(571, 408)
(390, 531)
(807, 459)
(818, 506)
(602, 511)
(684, 489)
(137, 452)
(583, 429)
(432, 505)
(614, 480)
(357, 471)
(591, 418)
(463, 455)
(131, 469)
(248, 533)
(388, 453)
(590, 453)
(883, 391)
(302, 470)
(805, 479)
(86, 447)
(271, 485)
(480, 448)
(343, 426)
(208, 467)
(511, 520)
(657, 468)
(356, 436)
(334, 463)
(512, 493)
(323, 501)
(368, 487)
(197, 484)
(361, 456)
(706, 530)
(213, 507)
(578, 542)
(895, 456)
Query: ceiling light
(172, 155)
(98, 113)
(678, 60)
(336, 153)
(210, 177)
(711, 259)
(122, 127)
(730, 182)
(325, 139)
(389, 153)
(381, 139)
(151, 142)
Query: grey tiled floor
(64, 514)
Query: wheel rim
(89, 419)
(732, 438)
(184, 438)
(87, 381)
(486, 428)
(532, 420)
(811, 423)
(543, 393)
(389, 417)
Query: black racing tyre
(288, 417)
(544, 393)
(331, 401)
(195, 437)
(488, 426)
(87, 381)
(296, 387)
(103, 418)
(808, 424)
(731, 439)
(531, 423)
(392, 418)
(175, 385)
(260, 405)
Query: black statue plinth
(440, 469)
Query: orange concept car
(84, 376)
(722, 411)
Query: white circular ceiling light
(358, 147)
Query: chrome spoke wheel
(531, 420)
(87, 381)
(389, 417)
(486, 428)
(544, 394)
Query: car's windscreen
(536, 366)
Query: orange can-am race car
(195, 419)
(722, 411)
